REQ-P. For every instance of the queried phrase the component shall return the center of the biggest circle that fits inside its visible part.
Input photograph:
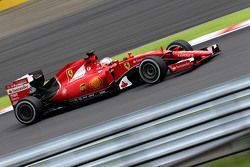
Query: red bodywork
(98, 77)
(83, 78)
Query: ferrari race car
(89, 78)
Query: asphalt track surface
(112, 28)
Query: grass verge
(4, 102)
(239, 160)
(194, 32)
(188, 35)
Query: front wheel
(180, 45)
(152, 69)
(28, 110)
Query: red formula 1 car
(89, 78)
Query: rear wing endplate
(18, 90)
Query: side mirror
(130, 54)
(162, 51)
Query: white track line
(220, 33)
(5, 110)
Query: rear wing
(18, 90)
(23, 86)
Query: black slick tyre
(181, 44)
(152, 69)
(28, 110)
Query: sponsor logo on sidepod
(182, 65)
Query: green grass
(238, 160)
(189, 34)
(194, 32)
(4, 102)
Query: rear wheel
(180, 45)
(152, 69)
(28, 110)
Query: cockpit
(92, 58)
(106, 61)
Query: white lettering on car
(182, 65)
(185, 55)
(18, 88)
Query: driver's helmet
(106, 61)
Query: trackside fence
(163, 134)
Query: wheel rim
(25, 112)
(149, 71)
